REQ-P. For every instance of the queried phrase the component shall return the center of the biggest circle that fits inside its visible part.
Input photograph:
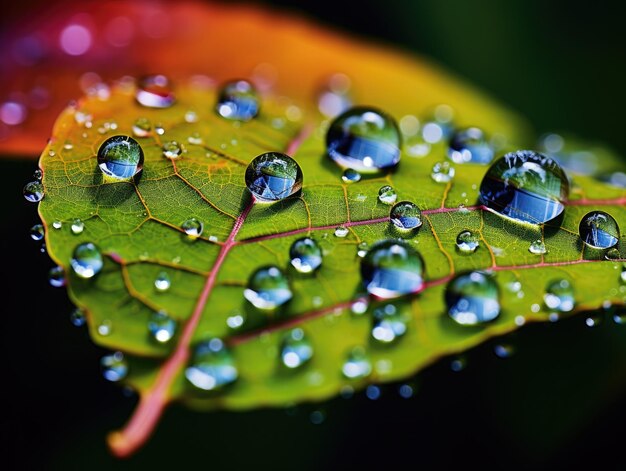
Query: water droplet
(317, 417)
(389, 324)
(599, 230)
(305, 255)
(470, 146)
(38, 174)
(467, 242)
(56, 277)
(37, 232)
(526, 186)
(33, 191)
(341, 231)
(212, 366)
(622, 274)
(442, 172)
(593, 321)
(458, 364)
(612, 254)
(387, 195)
(191, 117)
(295, 349)
(172, 150)
(120, 158)
(559, 296)
(162, 282)
(372, 392)
(406, 391)
(77, 317)
(159, 129)
(195, 139)
(503, 350)
(405, 216)
(193, 228)
(362, 249)
(77, 226)
(350, 176)
(114, 367)
(537, 247)
(235, 321)
(142, 127)
(238, 100)
(357, 364)
(86, 260)
(268, 288)
(334, 97)
(161, 326)
(439, 126)
(105, 328)
(391, 269)
(155, 91)
(273, 176)
(359, 306)
(619, 315)
(57, 225)
(364, 139)
(472, 298)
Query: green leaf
(137, 226)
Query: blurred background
(556, 402)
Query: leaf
(137, 227)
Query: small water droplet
(341, 231)
(235, 321)
(458, 364)
(405, 216)
(406, 391)
(57, 225)
(162, 282)
(238, 100)
(77, 317)
(442, 172)
(161, 326)
(593, 321)
(191, 117)
(193, 228)
(37, 232)
(114, 367)
(350, 176)
(364, 139)
(268, 288)
(472, 298)
(334, 97)
(470, 146)
(273, 176)
(612, 254)
(599, 230)
(467, 242)
(537, 247)
(389, 323)
(387, 195)
(120, 158)
(622, 274)
(359, 306)
(33, 191)
(526, 186)
(619, 315)
(212, 366)
(372, 392)
(172, 150)
(105, 328)
(142, 127)
(391, 269)
(159, 129)
(503, 350)
(38, 174)
(296, 349)
(155, 91)
(56, 277)
(362, 249)
(77, 226)
(357, 364)
(86, 260)
(559, 296)
(317, 417)
(195, 139)
(305, 255)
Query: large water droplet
(392, 268)
(442, 172)
(120, 158)
(77, 226)
(273, 176)
(599, 230)
(114, 367)
(559, 296)
(387, 195)
(405, 216)
(162, 282)
(37, 232)
(470, 146)
(212, 367)
(33, 191)
(86, 260)
(389, 323)
(526, 186)
(238, 100)
(357, 364)
(155, 91)
(56, 277)
(364, 139)
(161, 326)
(305, 255)
(268, 288)
(472, 298)
(467, 242)
(193, 228)
(295, 349)
(538, 247)
(350, 176)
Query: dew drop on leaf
(273, 176)
(77, 226)
(268, 288)
(191, 117)
(389, 323)
(193, 228)
(359, 306)
(155, 91)
(120, 158)
(537, 247)
(350, 176)
(612, 254)
(472, 298)
(86, 260)
(238, 100)
(334, 97)
(296, 349)
(33, 191)
(212, 366)
(406, 391)
(105, 328)
(77, 317)
(599, 230)
(56, 277)
(161, 326)
(162, 282)
(364, 139)
(439, 126)
(341, 231)
(391, 269)
(405, 216)
(172, 150)
(467, 242)
(37, 232)
(387, 195)
(504, 350)
(38, 174)
(622, 274)
(442, 172)
(142, 127)
(526, 186)
(305, 255)
(114, 367)
(357, 364)
(559, 296)
(372, 392)
(469, 145)
(57, 225)
(362, 249)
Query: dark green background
(557, 403)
